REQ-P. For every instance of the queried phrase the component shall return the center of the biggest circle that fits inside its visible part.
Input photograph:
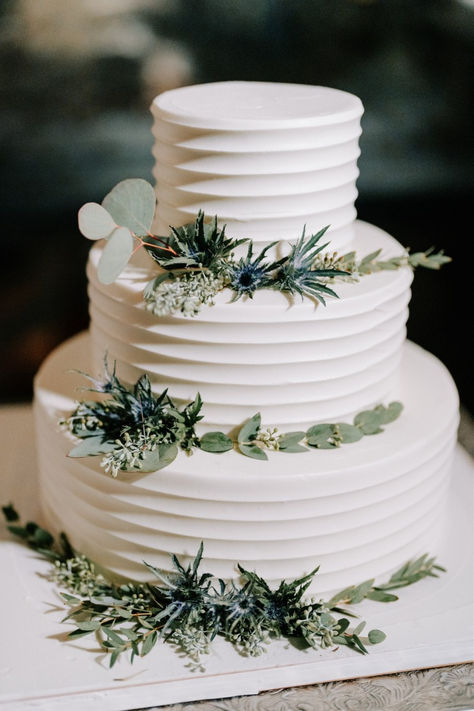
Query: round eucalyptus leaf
(349, 433)
(321, 436)
(132, 204)
(392, 412)
(115, 256)
(216, 442)
(91, 446)
(94, 221)
(369, 421)
(158, 458)
(376, 636)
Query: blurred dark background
(76, 81)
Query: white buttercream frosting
(266, 158)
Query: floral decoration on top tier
(196, 261)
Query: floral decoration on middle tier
(135, 430)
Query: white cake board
(431, 625)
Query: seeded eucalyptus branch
(371, 263)
(188, 609)
(135, 430)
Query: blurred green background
(76, 82)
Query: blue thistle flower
(249, 274)
(298, 275)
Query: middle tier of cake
(295, 361)
(359, 511)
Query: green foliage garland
(136, 430)
(188, 609)
(196, 261)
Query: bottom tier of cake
(358, 511)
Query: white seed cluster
(269, 438)
(130, 451)
(185, 294)
(77, 574)
(329, 260)
(127, 455)
(318, 628)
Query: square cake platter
(431, 625)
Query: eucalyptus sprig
(252, 440)
(188, 609)
(371, 263)
(135, 430)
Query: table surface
(444, 689)
(440, 689)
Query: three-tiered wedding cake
(267, 159)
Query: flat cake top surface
(257, 105)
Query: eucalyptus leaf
(42, 537)
(360, 592)
(131, 204)
(251, 450)
(88, 625)
(376, 636)
(391, 412)
(369, 422)
(216, 442)
(94, 221)
(358, 642)
(250, 429)
(343, 624)
(158, 458)
(293, 449)
(349, 433)
(149, 643)
(112, 636)
(289, 442)
(91, 446)
(359, 628)
(369, 258)
(114, 656)
(321, 436)
(381, 596)
(115, 255)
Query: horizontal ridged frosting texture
(358, 511)
(295, 362)
(266, 158)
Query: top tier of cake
(265, 158)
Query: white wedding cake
(267, 159)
